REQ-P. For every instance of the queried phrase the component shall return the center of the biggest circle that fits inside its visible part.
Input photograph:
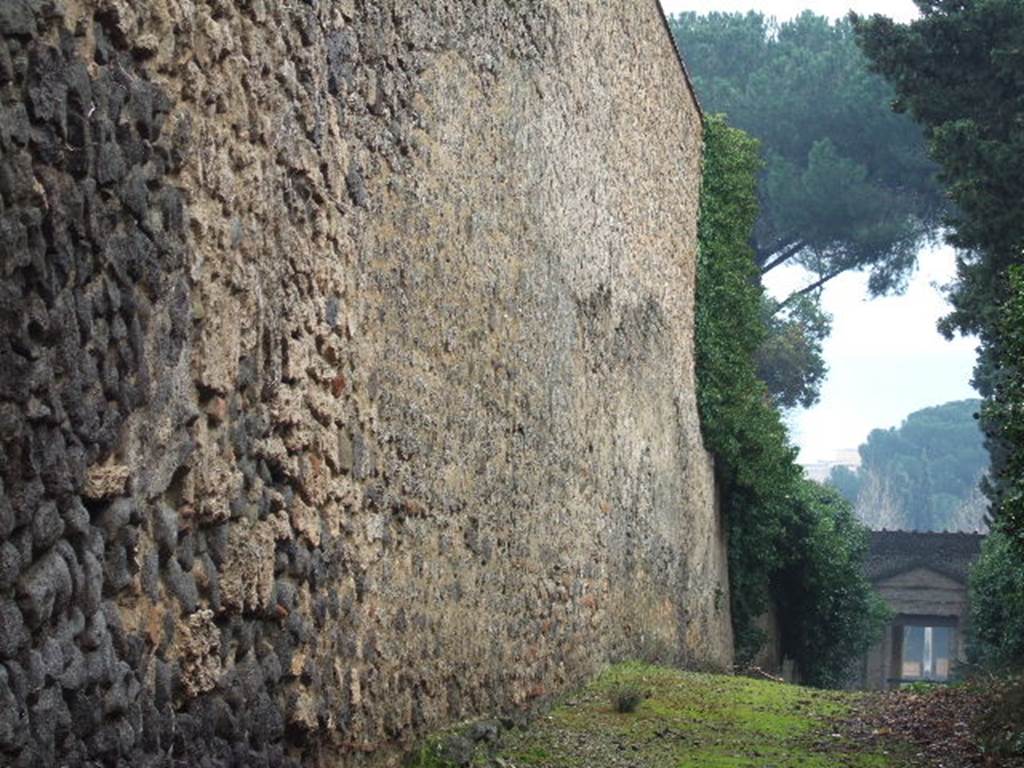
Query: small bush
(1000, 728)
(919, 686)
(996, 628)
(625, 697)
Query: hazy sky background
(885, 357)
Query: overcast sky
(885, 357)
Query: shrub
(626, 697)
(1000, 727)
(789, 539)
(996, 629)
(831, 614)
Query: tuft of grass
(530, 756)
(427, 756)
(625, 698)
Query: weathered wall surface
(346, 377)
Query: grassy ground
(682, 719)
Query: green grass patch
(690, 719)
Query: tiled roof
(951, 554)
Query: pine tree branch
(788, 252)
(807, 289)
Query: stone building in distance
(922, 576)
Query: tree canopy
(922, 475)
(790, 360)
(959, 71)
(846, 183)
(996, 626)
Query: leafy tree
(1003, 411)
(783, 530)
(832, 615)
(959, 71)
(789, 359)
(996, 628)
(846, 184)
(926, 469)
(846, 482)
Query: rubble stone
(346, 372)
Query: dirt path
(980, 725)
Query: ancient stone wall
(346, 371)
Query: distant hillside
(922, 475)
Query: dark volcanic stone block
(17, 18)
(44, 589)
(13, 635)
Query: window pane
(927, 652)
(942, 645)
(913, 652)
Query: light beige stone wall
(414, 434)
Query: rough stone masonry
(346, 371)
